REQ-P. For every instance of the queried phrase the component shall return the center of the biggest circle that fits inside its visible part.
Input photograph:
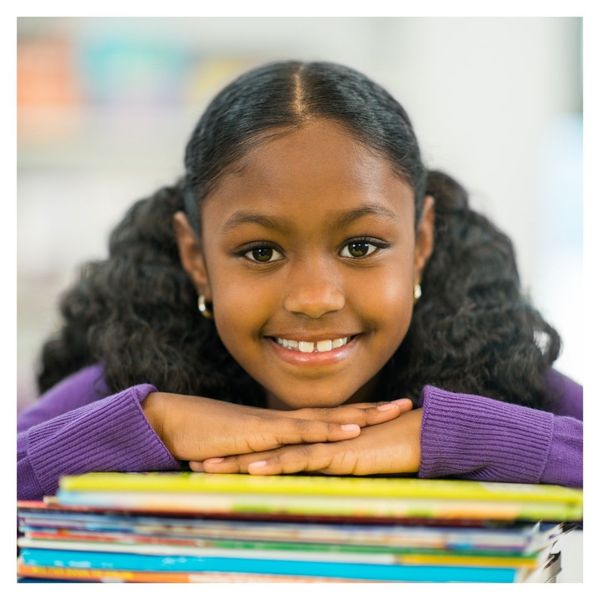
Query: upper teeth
(320, 346)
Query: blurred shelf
(283, 36)
(103, 138)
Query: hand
(195, 428)
(390, 447)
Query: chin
(310, 400)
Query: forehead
(311, 170)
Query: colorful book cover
(281, 504)
(517, 539)
(379, 487)
(52, 504)
(362, 571)
(30, 572)
(259, 551)
(415, 545)
(121, 576)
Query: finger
(234, 464)
(283, 460)
(312, 457)
(305, 431)
(400, 401)
(363, 414)
(329, 459)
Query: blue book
(197, 564)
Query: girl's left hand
(391, 447)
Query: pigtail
(136, 314)
(473, 330)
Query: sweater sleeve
(473, 437)
(108, 434)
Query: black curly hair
(136, 312)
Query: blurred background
(106, 105)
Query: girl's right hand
(195, 428)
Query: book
(178, 563)
(39, 521)
(317, 495)
(289, 552)
(184, 527)
(364, 487)
(65, 574)
(280, 504)
(546, 573)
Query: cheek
(387, 301)
(241, 309)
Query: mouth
(321, 345)
(326, 350)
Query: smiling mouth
(317, 346)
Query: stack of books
(188, 527)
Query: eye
(263, 254)
(360, 248)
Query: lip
(295, 357)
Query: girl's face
(309, 257)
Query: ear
(424, 241)
(190, 254)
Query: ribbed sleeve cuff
(469, 436)
(28, 487)
(111, 434)
(565, 459)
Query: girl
(308, 297)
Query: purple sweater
(77, 426)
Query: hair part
(276, 98)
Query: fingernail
(401, 401)
(258, 464)
(352, 428)
(387, 406)
(214, 461)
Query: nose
(314, 289)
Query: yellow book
(365, 487)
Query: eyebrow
(241, 217)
